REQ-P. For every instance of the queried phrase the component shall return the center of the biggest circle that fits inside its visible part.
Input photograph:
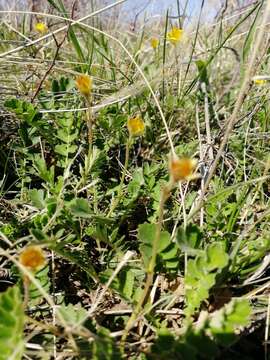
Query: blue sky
(160, 6)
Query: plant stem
(152, 264)
(89, 116)
(120, 189)
(26, 283)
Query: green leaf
(41, 167)
(11, 324)
(42, 276)
(37, 198)
(78, 257)
(73, 314)
(104, 347)
(65, 149)
(123, 283)
(250, 35)
(80, 207)
(167, 251)
(189, 238)
(216, 256)
(225, 321)
(201, 275)
(202, 69)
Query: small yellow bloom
(84, 84)
(154, 43)
(135, 126)
(183, 169)
(175, 35)
(260, 81)
(32, 257)
(41, 28)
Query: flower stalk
(136, 128)
(120, 188)
(180, 170)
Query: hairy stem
(120, 189)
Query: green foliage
(42, 276)
(73, 315)
(67, 133)
(167, 250)
(125, 283)
(201, 275)
(24, 110)
(104, 347)
(42, 171)
(80, 208)
(11, 325)
(203, 340)
(189, 239)
(57, 189)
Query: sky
(160, 6)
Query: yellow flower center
(135, 126)
(32, 257)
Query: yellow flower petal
(135, 126)
(260, 81)
(175, 35)
(32, 257)
(41, 28)
(154, 43)
(84, 84)
(182, 169)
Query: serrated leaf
(189, 238)
(65, 149)
(37, 198)
(34, 294)
(201, 275)
(80, 207)
(225, 321)
(11, 324)
(239, 313)
(147, 234)
(216, 256)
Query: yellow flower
(154, 43)
(84, 84)
(260, 81)
(32, 257)
(135, 126)
(41, 28)
(183, 169)
(175, 35)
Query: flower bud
(154, 43)
(84, 84)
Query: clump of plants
(134, 187)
